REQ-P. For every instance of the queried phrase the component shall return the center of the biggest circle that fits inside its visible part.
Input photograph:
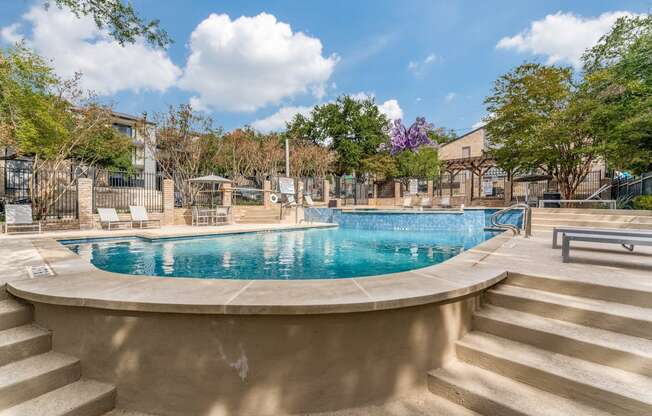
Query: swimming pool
(300, 254)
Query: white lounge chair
(407, 202)
(19, 217)
(109, 216)
(426, 202)
(139, 216)
(445, 202)
(290, 200)
(307, 200)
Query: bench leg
(554, 239)
(565, 249)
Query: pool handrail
(527, 219)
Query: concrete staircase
(36, 381)
(254, 214)
(544, 219)
(540, 349)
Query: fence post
(168, 202)
(468, 190)
(85, 203)
(299, 192)
(227, 195)
(267, 188)
(397, 193)
(431, 187)
(327, 191)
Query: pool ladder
(527, 220)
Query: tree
(39, 121)
(309, 159)
(352, 128)
(122, 21)
(540, 121)
(184, 144)
(618, 74)
(422, 163)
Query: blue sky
(436, 59)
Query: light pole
(287, 158)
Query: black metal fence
(632, 187)
(52, 193)
(120, 189)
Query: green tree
(540, 121)
(618, 73)
(422, 163)
(120, 18)
(442, 136)
(353, 128)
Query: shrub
(642, 202)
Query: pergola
(477, 165)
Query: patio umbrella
(211, 179)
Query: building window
(124, 129)
(466, 151)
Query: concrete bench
(615, 232)
(602, 239)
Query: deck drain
(39, 271)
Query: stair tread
(590, 304)
(11, 305)
(62, 400)
(20, 334)
(510, 393)
(624, 383)
(601, 337)
(25, 369)
(123, 412)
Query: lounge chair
(426, 202)
(290, 201)
(445, 202)
(627, 241)
(595, 231)
(407, 202)
(139, 216)
(109, 216)
(307, 201)
(19, 217)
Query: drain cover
(40, 271)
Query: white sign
(286, 185)
(487, 187)
(414, 186)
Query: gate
(351, 191)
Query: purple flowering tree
(402, 138)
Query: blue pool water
(362, 245)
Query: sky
(261, 62)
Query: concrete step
(14, 313)
(81, 398)
(592, 217)
(617, 317)
(554, 222)
(627, 212)
(613, 390)
(491, 394)
(122, 412)
(590, 289)
(592, 344)
(26, 379)
(23, 341)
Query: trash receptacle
(554, 196)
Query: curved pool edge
(78, 283)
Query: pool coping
(76, 282)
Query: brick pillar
(168, 202)
(300, 192)
(267, 192)
(327, 190)
(431, 188)
(85, 203)
(508, 193)
(397, 193)
(227, 194)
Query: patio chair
(200, 216)
(20, 218)
(407, 202)
(307, 201)
(221, 214)
(109, 216)
(445, 202)
(426, 202)
(139, 216)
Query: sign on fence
(286, 185)
(487, 187)
(414, 186)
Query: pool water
(300, 254)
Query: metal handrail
(527, 219)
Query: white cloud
(450, 97)
(418, 68)
(391, 109)
(478, 124)
(276, 121)
(77, 45)
(247, 63)
(562, 37)
(363, 95)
